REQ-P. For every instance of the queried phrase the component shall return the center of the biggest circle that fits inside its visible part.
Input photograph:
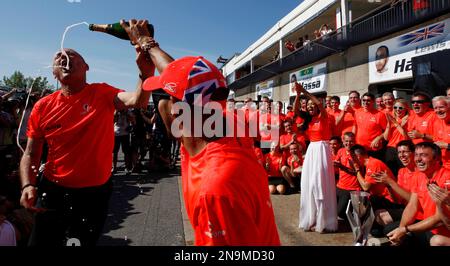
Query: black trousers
(77, 215)
(392, 161)
(343, 196)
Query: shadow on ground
(125, 203)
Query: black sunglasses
(399, 107)
(366, 100)
(418, 101)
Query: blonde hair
(441, 98)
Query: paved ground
(145, 210)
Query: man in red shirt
(370, 126)
(224, 187)
(379, 103)
(366, 168)
(76, 123)
(345, 122)
(440, 132)
(421, 121)
(388, 100)
(336, 113)
(402, 187)
(291, 137)
(293, 168)
(290, 113)
(429, 173)
(347, 181)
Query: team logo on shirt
(373, 119)
(214, 234)
(424, 124)
(86, 109)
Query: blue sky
(31, 32)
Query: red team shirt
(337, 130)
(286, 138)
(228, 204)
(426, 203)
(293, 163)
(346, 181)
(79, 131)
(394, 135)
(369, 126)
(348, 121)
(406, 179)
(319, 128)
(378, 189)
(423, 124)
(276, 161)
(441, 132)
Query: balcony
(381, 22)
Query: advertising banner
(312, 78)
(391, 60)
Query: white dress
(318, 207)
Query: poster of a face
(381, 59)
(265, 89)
(293, 79)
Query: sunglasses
(399, 107)
(418, 101)
(366, 100)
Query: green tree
(18, 80)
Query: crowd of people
(396, 150)
(398, 153)
(303, 41)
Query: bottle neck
(98, 27)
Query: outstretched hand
(299, 88)
(137, 31)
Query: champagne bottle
(116, 30)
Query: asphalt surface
(144, 210)
(148, 210)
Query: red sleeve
(34, 130)
(382, 120)
(218, 221)
(372, 168)
(339, 155)
(109, 92)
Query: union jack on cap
(186, 77)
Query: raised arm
(299, 89)
(137, 30)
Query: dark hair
(368, 94)
(437, 154)
(423, 94)
(349, 134)
(359, 95)
(408, 143)
(336, 98)
(361, 150)
(337, 138)
(377, 57)
(306, 120)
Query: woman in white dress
(318, 210)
